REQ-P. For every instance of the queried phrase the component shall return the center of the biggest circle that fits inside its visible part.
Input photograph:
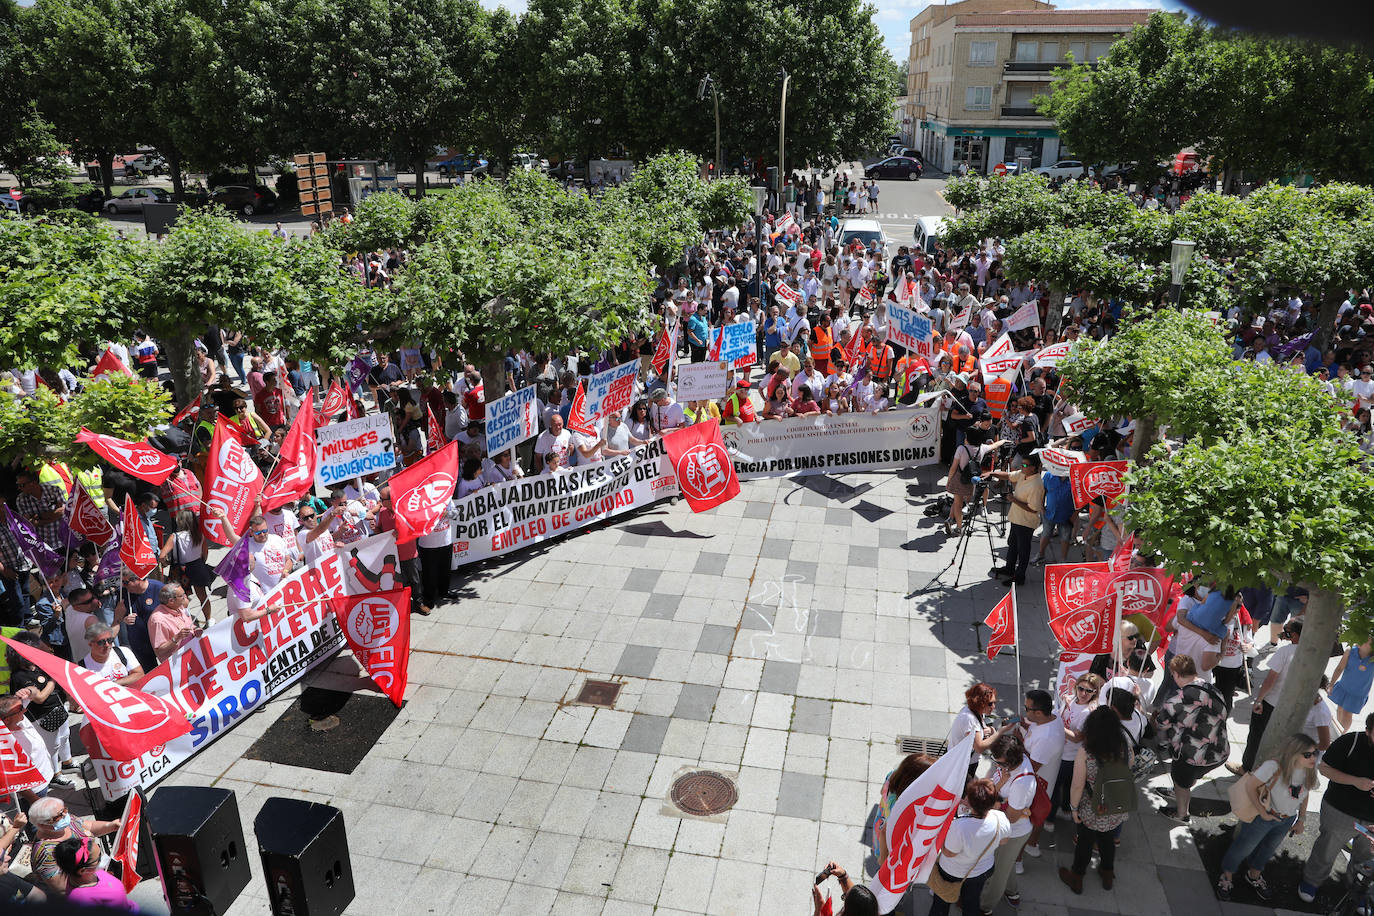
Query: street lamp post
(1180, 256)
(760, 201)
(708, 83)
(782, 133)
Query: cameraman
(1027, 502)
(966, 470)
(858, 900)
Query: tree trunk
(181, 363)
(1321, 626)
(419, 177)
(1326, 317)
(105, 158)
(1054, 314)
(178, 182)
(1147, 436)
(493, 369)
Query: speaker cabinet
(199, 840)
(304, 850)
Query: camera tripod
(986, 509)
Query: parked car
(1064, 168)
(574, 168)
(865, 231)
(894, 167)
(12, 204)
(135, 199)
(927, 232)
(244, 199)
(459, 165)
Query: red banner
(1080, 618)
(667, 346)
(420, 494)
(1145, 591)
(1121, 556)
(17, 771)
(704, 471)
(137, 458)
(186, 411)
(294, 475)
(87, 519)
(126, 722)
(135, 551)
(335, 402)
(1092, 479)
(126, 840)
(1002, 621)
(377, 627)
(110, 364)
(435, 432)
(577, 417)
(232, 483)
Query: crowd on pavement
(823, 348)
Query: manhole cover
(703, 793)
(599, 693)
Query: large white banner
(233, 668)
(354, 448)
(519, 513)
(834, 444)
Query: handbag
(53, 719)
(1041, 806)
(1241, 805)
(947, 888)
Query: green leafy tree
(43, 428)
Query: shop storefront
(982, 148)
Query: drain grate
(599, 693)
(910, 744)
(703, 793)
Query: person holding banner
(170, 627)
(858, 899)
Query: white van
(865, 231)
(927, 233)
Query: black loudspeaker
(200, 848)
(305, 862)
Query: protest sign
(738, 344)
(578, 420)
(1027, 316)
(786, 294)
(354, 448)
(1091, 479)
(519, 513)
(511, 419)
(1004, 367)
(908, 328)
(235, 668)
(834, 444)
(611, 390)
(1059, 460)
(960, 321)
(1001, 347)
(701, 382)
(1078, 424)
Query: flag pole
(1016, 628)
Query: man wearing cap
(665, 413)
(739, 407)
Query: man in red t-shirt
(475, 398)
(738, 406)
(270, 404)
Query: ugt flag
(126, 840)
(232, 483)
(702, 465)
(1002, 621)
(421, 493)
(377, 627)
(135, 550)
(294, 475)
(136, 458)
(917, 826)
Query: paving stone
(711, 564)
(811, 716)
(780, 677)
(800, 795)
(642, 580)
(662, 607)
(696, 702)
(637, 661)
(645, 734)
(716, 639)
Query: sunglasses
(1086, 691)
(306, 518)
(102, 642)
(262, 532)
(1309, 754)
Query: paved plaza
(772, 638)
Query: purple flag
(69, 539)
(1286, 350)
(234, 569)
(110, 562)
(39, 553)
(356, 371)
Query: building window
(1079, 50)
(978, 98)
(1027, 51)
(1049, 51)
(1098, 49)
(981, 53)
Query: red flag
(294, 475)
(186, 411)
(377, 627)
(1121, 556)
(667, 346)
(577, 417)
(704, 472)
(1091, 479)
(1145, 591)
(18, 772)
(1070, 586)
(421, 493)
(713, 353)
(126, 722)
(1081, 617)
(137, 458)
(87, 519)
(436, 432)
(134, 549)
(110, 364)
(335, 401)
(354, 411)
(232, 483)
(1002, 621)
(854, 349)
(126, 840)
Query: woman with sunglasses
(1073, 712)
(1278, 790)
(87, 883)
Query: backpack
(966, 472)
(1114, 790)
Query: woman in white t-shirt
(1073, 712)
(1014, 780)
(1320, 724)
(971, 845)
(1278, 790)
(1229, 672)
(979, 700)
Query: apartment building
(976, 65)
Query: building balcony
(1035, 66)
(1021, 111)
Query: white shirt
(1284, 801)
(113, 668)
(493, 473)
(282, 522)
(1019, 791)
(972, 842)
(668, 416)
(1045, 745)
(1072, 716)
(560, 444)
(270, 560)
(313, 550)
(965, 722)
(1278, 663)
(442, 535)
(1189, 643)
(1319, 716)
